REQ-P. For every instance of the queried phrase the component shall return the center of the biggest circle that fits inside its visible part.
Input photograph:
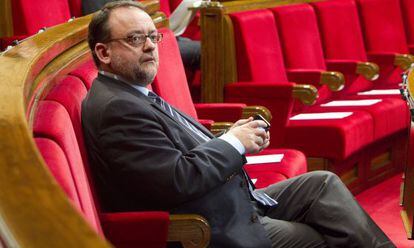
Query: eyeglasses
(136, 40)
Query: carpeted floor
(382, 204)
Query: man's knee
(326, 176)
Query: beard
(139, 74)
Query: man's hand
(251, 134)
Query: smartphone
(261, 118)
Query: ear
(103, 53)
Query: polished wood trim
(219, 127)
(317, 163)
(380, 161)
(333, 79)
(34, 211)
(404, 61)
(407, 224)
(305, 93)
(350, 176)
(249, 111)
(218, 56)
(368, 70)
(410, 84)
(191, 230)
(6, 20)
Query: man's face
(137, 63)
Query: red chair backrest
(87, 72)
(407, 7)
(58, 165)
(383, 26)
(29, 16)
(258, 52)
(52, 121)
(299, 34)
(171, 82)
(75, 7)
(340, 29)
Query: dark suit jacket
(143, 159)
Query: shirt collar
(142, 89)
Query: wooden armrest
(404, 61)
(333, 79)
(254, 110)
(305, 93)
(218, 127)
(151, 6)
(368, 70)
(190, 229)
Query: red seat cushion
(292, 164)
(390, 116)
(335, 139)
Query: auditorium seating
(31, 16)
(344, 40)
(254, 54)
(170, 83)
(41, 92)
(57, 125)
(305, 52)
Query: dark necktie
(259, 196)
(176, 116)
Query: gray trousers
(317, 210)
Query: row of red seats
(58, 134)
(279, 47)
(29, 17)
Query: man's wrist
(233, 141)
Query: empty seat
(342, 37)
(384, 36)
(171, 84)
(265, 63)
(305, 51)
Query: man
(146, 155)
(190, 50)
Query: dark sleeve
(145, 161)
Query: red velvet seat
(30, 16)
(265, 63)
(303, 49)
(384, 35)
(87, 72)
(342, 39)
(407, 7)
(57, 128)
(171, 84)
(53, 122)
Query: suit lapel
(145, 98)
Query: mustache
(147, 57)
